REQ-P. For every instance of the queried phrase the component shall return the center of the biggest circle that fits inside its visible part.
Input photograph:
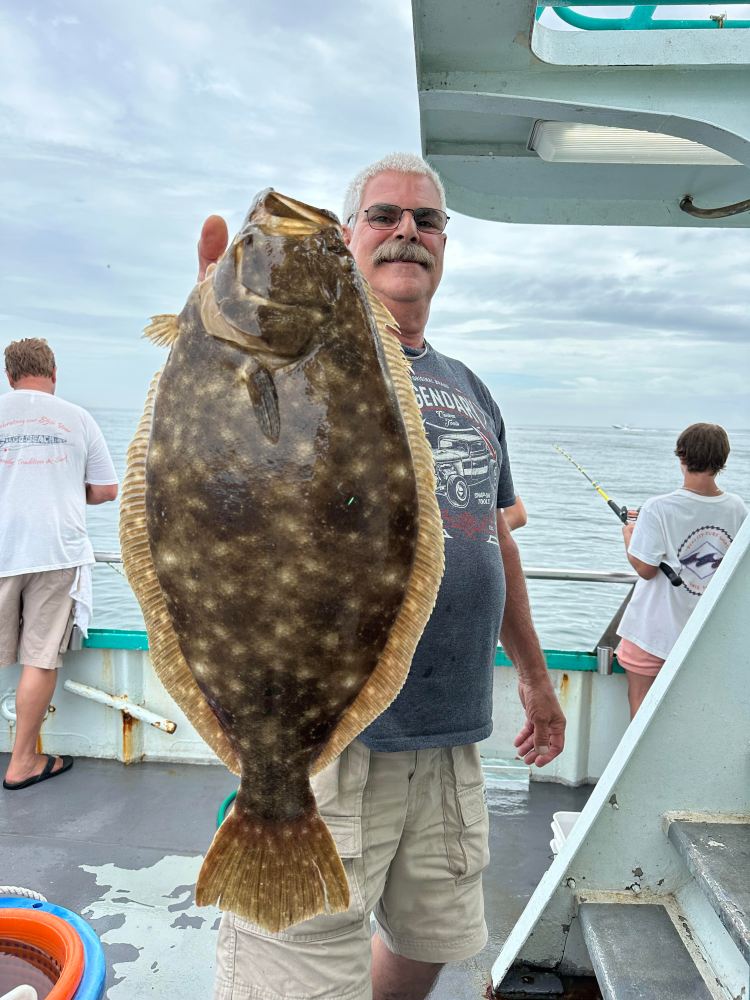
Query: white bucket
(20, 993)
(562, 823)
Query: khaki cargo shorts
(412, 829)
(36, 617)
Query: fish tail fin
(273, 874)
(163, 330)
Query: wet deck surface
(123, 845)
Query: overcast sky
(123, 125)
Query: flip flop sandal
(67, 763)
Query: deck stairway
(616, 935)
(718, 857)
(692, 945)
(650, 891)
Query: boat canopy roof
(549, 113)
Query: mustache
(412, 253)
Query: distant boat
(622, 427)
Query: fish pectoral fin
(262, 391)
(163, 330)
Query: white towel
(82, 593)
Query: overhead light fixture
(573, 142)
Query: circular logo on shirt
(700, 556)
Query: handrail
(108, 557)
(631, 3)
(582, 575)
(714, 213)
(531, 572)
(641, 17)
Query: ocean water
(570, 526)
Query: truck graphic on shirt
(463, 459)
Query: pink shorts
(637, 660)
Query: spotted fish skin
(280, 530)
(283, 563)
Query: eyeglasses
(427, 220)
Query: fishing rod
(622, 512)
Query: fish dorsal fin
(382, 316)
(392, 668)
(164, 648)
(163, 330)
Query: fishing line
(622, 512)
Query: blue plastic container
(91, 986)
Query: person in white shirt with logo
(691, 530)
(53, 461)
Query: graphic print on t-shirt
(701, 554)
(32, 433)
(465, 450)
(13, 442)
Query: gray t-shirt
(447, 697)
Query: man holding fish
(404, 802)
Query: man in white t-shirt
(691, 530)
(53, 461)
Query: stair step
(718, 857)
(637, 953)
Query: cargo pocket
(465, 813)
(339, 791)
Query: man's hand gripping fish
(280, 530)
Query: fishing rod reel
(625, 515)
(630, 517)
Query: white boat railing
(112, 705)
(583, 575)
(531, 572)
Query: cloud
(125, 126)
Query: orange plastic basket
(54, 937)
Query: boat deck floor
(122, 845)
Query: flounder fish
(280, 530)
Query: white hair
(402, 163)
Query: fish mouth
(277, 214)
